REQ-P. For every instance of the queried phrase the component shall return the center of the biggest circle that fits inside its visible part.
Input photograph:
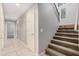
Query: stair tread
(66, 28)
(67, 33)
(64, 48)
(55, 52)
(66, 37)
(65, 42)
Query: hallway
(17, 27)
(15, 48)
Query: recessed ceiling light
(17, 4)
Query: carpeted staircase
(64, 43)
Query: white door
(30, 29)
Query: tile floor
(15, 48)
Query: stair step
(67, 31)
(61, 28)
(67, 34)
(45, 55)
(66, 26)
(64, 50)
(52, 52)
(65, 44)
(69, 39)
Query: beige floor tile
(23, 52)
(13, 53)
(15, 48)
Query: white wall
(21, 28)
(48, 24)
(1, 27)
(71, 13)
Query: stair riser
(65, 28)
(65, 39)
(49, 53)
(62, 51)
(75, 36)
(67, 32)
(65, 45)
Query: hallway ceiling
(12, 10)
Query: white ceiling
(12, 12)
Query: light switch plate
(41, 30)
